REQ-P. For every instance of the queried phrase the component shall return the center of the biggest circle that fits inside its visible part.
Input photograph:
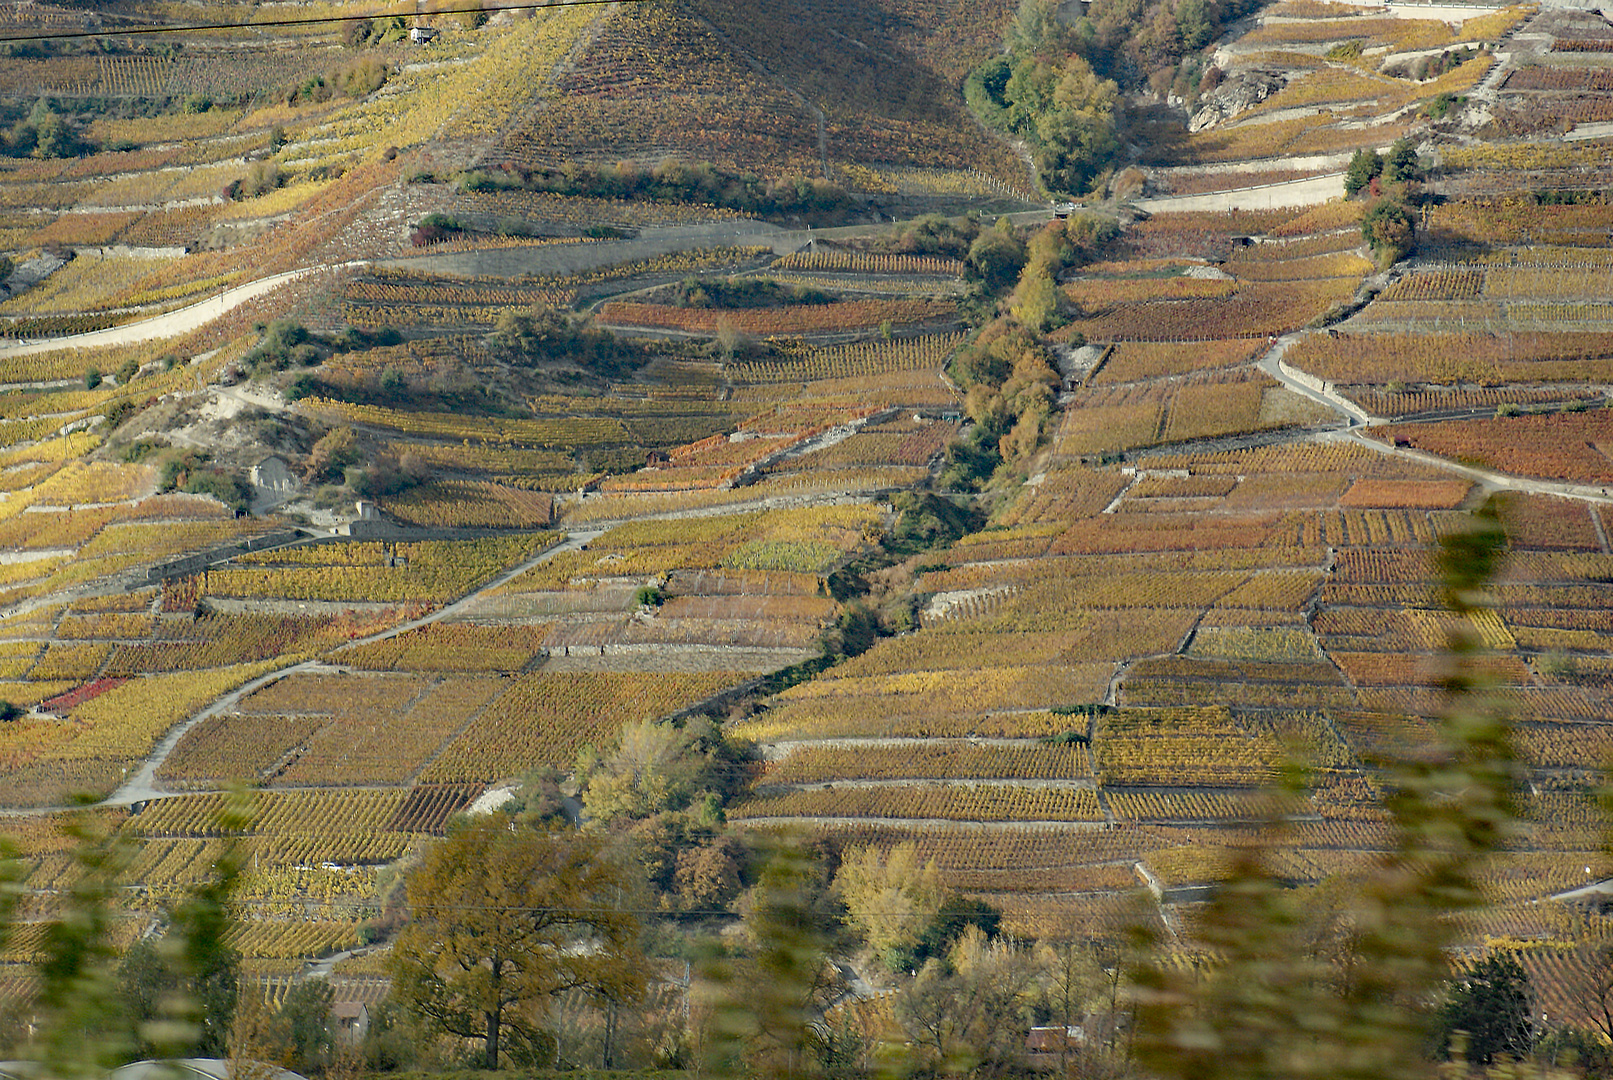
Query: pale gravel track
(1290, 194)
(181, 321)
(143, 785)
(1083, 784)
(776, 751)
(948, 823)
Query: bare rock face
(1236, 94)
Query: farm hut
(350, 1022)
(1047, 1047)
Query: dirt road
(171, 324)
(1310, 191)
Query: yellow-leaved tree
(502, 919)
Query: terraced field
(1207, 555)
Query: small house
(1049, 1047)
(422, 35)
(350, 1022)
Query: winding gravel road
(143, 784)
(170, 324)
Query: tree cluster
(672, 181)
(359, 79)
(936, 234)
(1007, 371)
(44, 133)
(545, 335)
(1050, 96)
(1058, 85)
(382, 30)
(193, 471)
(662, 791)
(746, 292)
(340, 457)
(1393, 183)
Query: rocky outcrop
(1237, 94)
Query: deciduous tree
(890, 895)
(502, 919)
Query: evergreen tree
(1490, 1007)
(1363, 167)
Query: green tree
(1077, 134)
(1492, 1005)
(52, 137)
(997, 257)
(1195, 23)
(1389, 231)
(1401, 164)
(501, 920)
(1364, 166)
(1036, 26)
(986, 90)
(302, 1028)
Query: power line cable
(69, 35)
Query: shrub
(1364, 167)
(435, 227)
(1443, 103)
(1388, 229)
(304, 385)
(226, 488)
(262, 178)
(361, 79)
(745, 293)
(997, 257)
(284, 343)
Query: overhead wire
(136, 31)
